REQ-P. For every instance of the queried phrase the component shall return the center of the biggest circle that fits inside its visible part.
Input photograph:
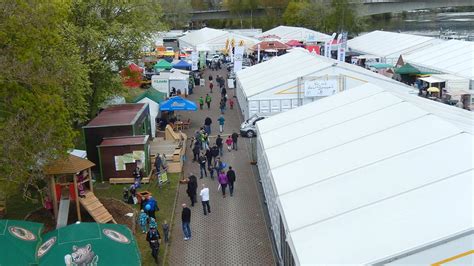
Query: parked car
(247, 128)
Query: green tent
(408, 69)
(19, 241)
(90, 244)
(151, 94)
(380, 65)
(163, 64)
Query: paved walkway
(235, 232)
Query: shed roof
(69, 165)
(151, 94)
(115, 115)
(450, 57)
(378, 166)
(124, 141)
(388, 44)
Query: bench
(127, 180)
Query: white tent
(388, 46)
(450, 57)
(288, 33)
(277, 85)
(209, 39)
(367, 176)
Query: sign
(160, 84)
(341, 51)
(230, 83)
(258, 53)
(238, 58)
(194, 59)
(318, 87)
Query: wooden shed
(118, 156)
(116, 121)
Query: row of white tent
(426, 53)
(370, 175)
(212, 40)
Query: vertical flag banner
(333, 37)
(238, 58)
(258, 52)
(194, 59)
(341, 52)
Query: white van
(247, 128)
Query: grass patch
(18, 207)
(165, 198)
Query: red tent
(294, 43)
(132, 76)
(314, 48)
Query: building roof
(151, 94)
(208, 39)
(288, 33)
(116, 115)
(270, 44)
(69, 165)
(370, 165)
(388, 44)
(283, 71)
(450, 57)
(124, 141)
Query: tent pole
(78, 207)
(90, 180)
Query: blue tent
(182, 65)
(177, 103)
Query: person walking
(208, 101)
(223, 181)
(186, 220)
(209, 158)
(192, 189)
(231, 178)
(205, 199)
(223, 92)
(153, 207)
(221, 121)
(158, 164)
(235, 136)
(196, 150)
(222, 105)
(202, 165)
(153, 237)
(219, 144)
(229, 143)
(211, 86)
(201, 102)
(207, 125)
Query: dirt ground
(117, 208)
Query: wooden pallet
(96, 209)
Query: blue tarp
(182, 65)
(177, 103)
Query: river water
(429, 24)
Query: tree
(110, 34)
(343, 17)
(240, 7)
(176, 12)
(43, 86)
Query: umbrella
(432, 89)
(89, 244)
(177, 103)
(19, 240)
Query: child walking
(166, 231)
(143, 220)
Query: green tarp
(77, 244)
(408, 69)
(163, 64)
(380, 65)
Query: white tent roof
(369, 174)
(452, 57)
(388, 44)
(287, 33)
(209, 39)
(284, 70)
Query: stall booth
(119, 156)
(153, 98)
(166, 81)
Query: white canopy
(451, 57)
(287, 33)
(386, 44)
(209, 39)
(369, 174)
(281, 73)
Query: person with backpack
(153, 237)
(235, 136)
(231, 178)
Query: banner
(258, 53)
(238, 58)
(328, 46)
(160, 84)
(231, 55)
(318, 87)
(194, 59)
(202, 59)
(341, 51)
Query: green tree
(110, 34)
(242, 7)
(343, 17)
(176, 13)
(43, 86)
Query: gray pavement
(235, 232)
